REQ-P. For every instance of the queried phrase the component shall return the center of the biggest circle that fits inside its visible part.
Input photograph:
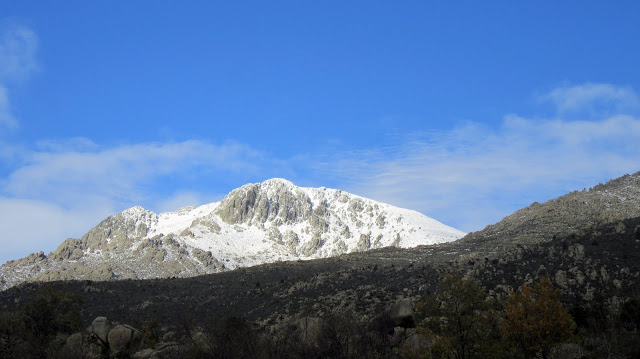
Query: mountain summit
(254, 224)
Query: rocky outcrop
(83, 345)
(103, 340)
(101, 327)
(124, 339)
(274, 200)
(403, 314)
(256, 223)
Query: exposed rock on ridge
(274, 200)
(256, 223)
(571, 214)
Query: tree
(13, 336)
(52, 311)
(459, 318)
(535, 320)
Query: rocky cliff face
(276, 201)
(254, 224)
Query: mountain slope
(603, 264)
(571, 214)
(596, 268)
(254, 224)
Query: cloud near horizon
(71, 185)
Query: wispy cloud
(474, 175)
(6, 118)
(18, 47)
(592, 96)
(33, 225)
(71, 185)
(68, 174)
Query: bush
(536, 320)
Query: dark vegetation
(456, 321)
(569, 297)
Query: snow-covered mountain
(254, 224)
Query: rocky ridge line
(572, 214)
(254, 224)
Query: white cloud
(74, 144)
(31, 226)
(66, 187)
(18, 46)
(590, 95)
(474, 175)
(6, 118)
(121, 173)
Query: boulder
(403, 314)
(414, 342)
(59, 341)
(80, 345)
(124, 339)
(101, 327)
(75, 343)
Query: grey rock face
(124, 339)
(80, 345)
(75, 342)
(262, 202)
(365, 242)
(313, 246)
(403, 314)
(291, 240)
(208, 223)
(119, 230)
(101, 327)
(561, 278)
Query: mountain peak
(257, 223)
(277, 181)
(272, 199)
(134, 210)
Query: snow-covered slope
(254, 224)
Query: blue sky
(464, 111)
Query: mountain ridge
(590, 253)
(570, 214)
(254, 224)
